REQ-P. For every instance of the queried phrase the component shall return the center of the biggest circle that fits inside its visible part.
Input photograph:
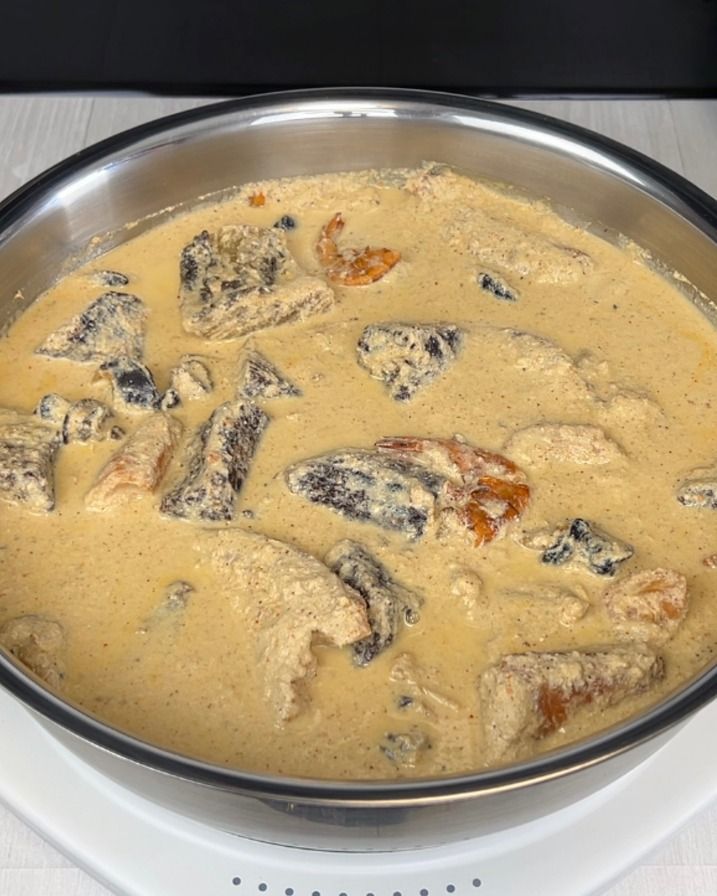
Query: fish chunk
(190, 380)
(648, 606)
(409, 483)
(28, 448)
(532, 353)
(562, 443)
(367, 487)
(292, 601)
(218, 461)
(580, 543)
(111, 326)
(527, 696)
(86, 420)
(286, 222)
(110, 278)
(407, 357)
(39, 644)
(699, 492)
(259, 378)
(497, 287)
(138, 467)
(388, 602)
(132, 382)
(499, 243)
(243, 278)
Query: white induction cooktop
(139, 849)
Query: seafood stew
(370, 475)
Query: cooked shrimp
(484, 491)
(352, 267)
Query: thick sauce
(641, 365)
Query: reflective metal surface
(83, 207)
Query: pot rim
(658, 181)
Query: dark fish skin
(241, 278)
(111, 278)
(132, 382)
(86, 420)
(364, 486)
(582, 540)
(699, 493)
(111, 326)
(389, 604)
(218, 462)
(407, 357)
(259, 378)
(497, 287)
(28, 448)
(286, 222)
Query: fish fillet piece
(133, 386)
(499, 243)
(580, 543)
(648, 606)
(292, 601)
(243, 278)
(85, 420)
(497, 286)
(562, 443)
(259, 378)
(700, 490)
(217, 463)
(527, 696)
(389, 604)
(111, 326)
(409, 483)
(138, 467)
(28, 448)
(110, 278)
(368, 487)
(39, 644)
(190, 380)
(407, 357)
(533, 353)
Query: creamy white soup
(364, 475)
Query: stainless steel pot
(148, 173)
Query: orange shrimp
(352, 267)
(485, 491)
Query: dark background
(665, 47)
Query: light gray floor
(37, 131)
